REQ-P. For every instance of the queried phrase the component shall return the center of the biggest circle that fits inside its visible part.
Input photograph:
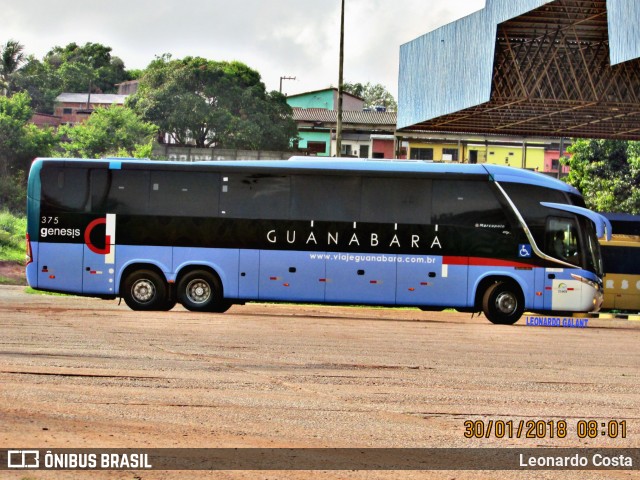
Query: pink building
(552, 163)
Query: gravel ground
(78, 372)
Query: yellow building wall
(512, 157)
(498, 155)
(437, 149)
(481, 153)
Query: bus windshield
(573, 242)
(593, 255)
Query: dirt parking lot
(80, 372)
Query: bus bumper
(592, 293)
(31, 270)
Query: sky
(293, 38)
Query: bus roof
(497, 172)
(624, 223)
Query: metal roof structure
(374, 120)
(527, 67)
(95, 98)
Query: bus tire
(169, 303)
(145, 290)
(503, 303)
(200, 291)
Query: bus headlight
(596, 286)
(598, 292)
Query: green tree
(41, 81)
(72, 68)
(20, 143)
(373, 95)
(90, 64)
(112, 131)
(11, 57)
(607, 172)
(211, 103)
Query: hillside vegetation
(12, 237)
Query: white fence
(192, 154)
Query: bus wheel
(145, 290)
(200, 291)
(503, 303)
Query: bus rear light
(29, 251)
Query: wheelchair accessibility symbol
(524, 250)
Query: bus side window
(120, 191)
(255, 195)
(399, 201)
(66, 189)
(528, 197)
(325, 198)
(466, 202)
(99, 188)
(184, 194)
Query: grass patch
(12, 236)
(10, 281)
(31, 291)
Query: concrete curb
(632, 317)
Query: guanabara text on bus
(212, 234)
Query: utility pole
(285, 78)
(340, 74)
(560, 156)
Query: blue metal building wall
(623, 18)
(450, 69)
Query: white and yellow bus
(621, 258)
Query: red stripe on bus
(481, 261)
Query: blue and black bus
(212, 234)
